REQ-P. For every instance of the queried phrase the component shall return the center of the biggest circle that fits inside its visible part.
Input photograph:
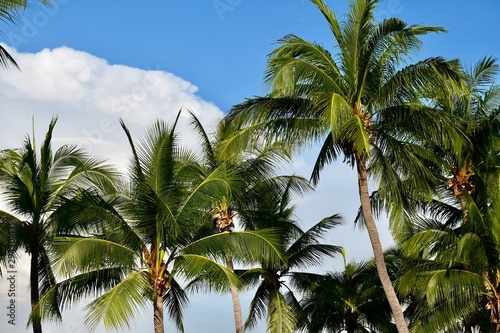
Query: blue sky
(221, 45)
(92, 62)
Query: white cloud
(89, 95)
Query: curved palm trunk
(34, 292)
(238, 318)
(158, 314)
(378, 252)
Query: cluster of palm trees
(166, 228)
(425, 133)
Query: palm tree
(363, 102)
(150, 238)
(478, 106)
(348, 301)
(274, 297)
(255, 166)
(34, 187)
(458, 229)
(453, 271)
(9, 13)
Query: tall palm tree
(9, 10)
(150, 238)
(362, 102)
(34, 186)
(348, 301)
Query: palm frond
(120, 304)
(331, 18)
(484, 72)
(215, 275)
(258, 306)
(245, 246)
(6, 60)
(65, 293)
(281, 316)
(306, 249)
(136, 165)
(298, 66)
(453, 284)
(87, 254)
(10, 240)
(175, 301)
(353, 130)
(206, 144)
(285, 118)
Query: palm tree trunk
(371, 226)
(497, 313)
(494, 326)
(35, 293)
(238, 319)
(158, 314)
(495, 317)
(351, 325)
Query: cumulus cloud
(89, 95)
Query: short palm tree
(148, 239)
(34, 186)
(275, 296)
(363, 102)
(453, 271)
(349, 301)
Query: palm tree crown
(349, 301)
(254, 165)
(278, 284)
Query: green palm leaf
(281, 317)
(86, 254)
(118, 306)
(216, 275)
